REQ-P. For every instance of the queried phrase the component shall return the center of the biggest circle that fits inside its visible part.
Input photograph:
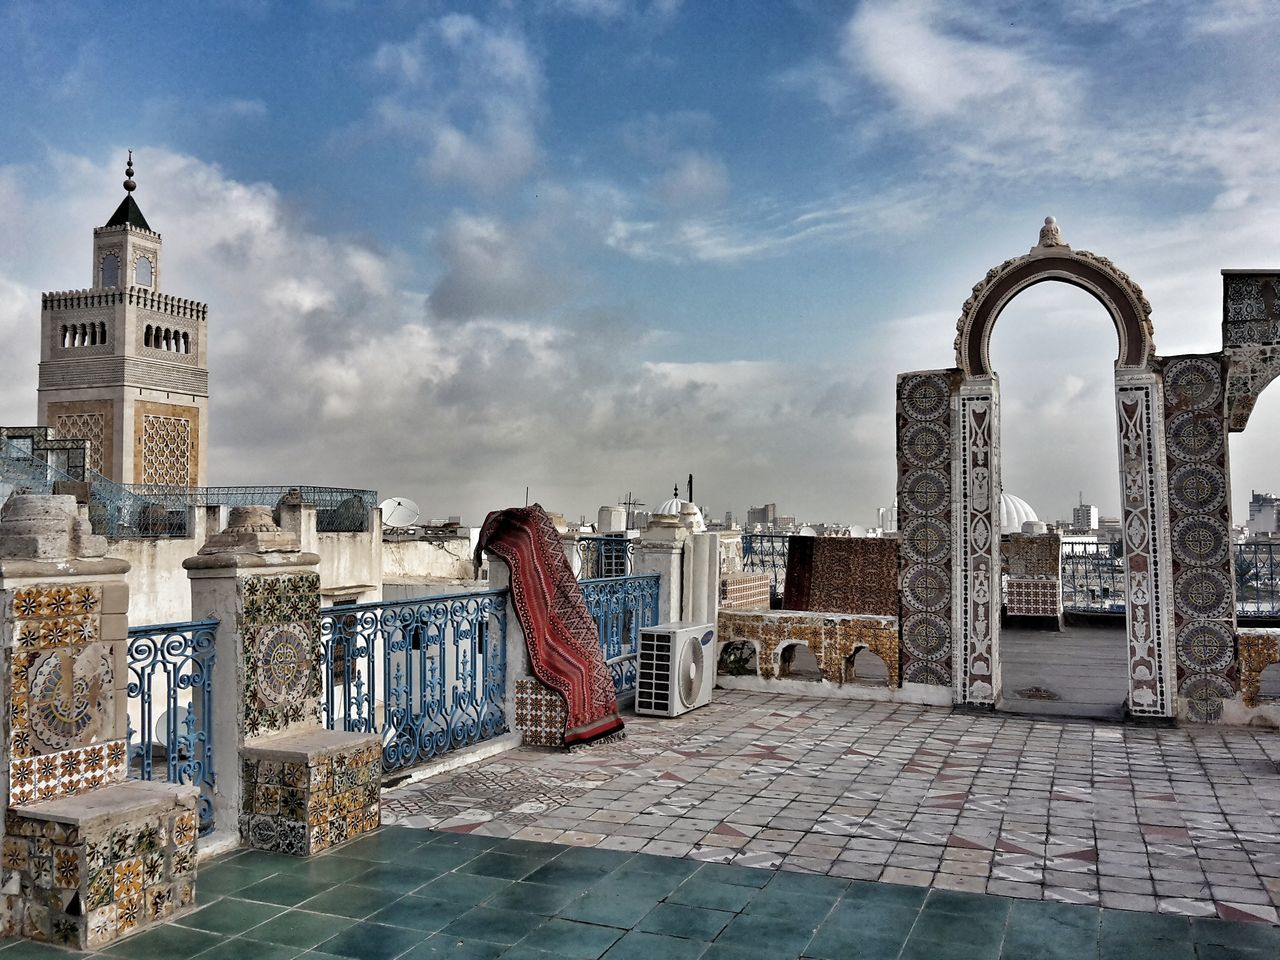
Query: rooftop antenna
(399, 512)
(675, 491)
(630, 503)
(526, 496)
(691, 488)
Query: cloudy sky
(590, 246)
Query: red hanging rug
(562, 639)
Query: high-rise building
(123, 365)
(766, 516)
(1084, 517)
(1264, 514)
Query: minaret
(124, 365)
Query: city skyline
(454, 253)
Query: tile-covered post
(88, 855)
(288, 784)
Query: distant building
(1084, 517)
(1264, 515)
(766, 516)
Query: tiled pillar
(88, 856)
(283, 780)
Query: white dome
(1014, 512)
(686, 512)
(671, 508)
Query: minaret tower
(124, 365)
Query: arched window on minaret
(93, 334)
(111, 271)
(146, 336)
(142, 271)
(186, 343)
(102, 331)
(64, 334)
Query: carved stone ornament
(1050, 234)
(251, 530)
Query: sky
(588, 247)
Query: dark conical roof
(128, 213)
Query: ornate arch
(1051, 259)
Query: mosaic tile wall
(831, 639)
(924, 524)
(842, 575)
(1031, 597)
(301, 804)
(540, 714)
(1250, 339)
(85, 886)
(977, 531)
(282, 648)
(1200, 523)
(745, 591)
(1038, 556)
(64, 733)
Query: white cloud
(698, 179)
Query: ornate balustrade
(170, 692)
(766, 553)
(1093, 578)
(602, 557)
(621, 606)
(429, 675)
(1257, 571)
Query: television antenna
(398, 512)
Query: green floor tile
(781, 936)
(648, 886)
(469, 888)
(398, 878)
(223, 878)
(1131, 924)
(30, 950)
(442, 857)
(414, 913)
(347, 900)
(608, 909)
(1217, 951)
(523, 952)
(664, 866)
(637, 945)
(332, 868)
(699, 892)
(475, 842)
(1136, 947)
(567, 874)
(733, 951)
(1047, 941)
(923, 948)
(741, 876)
(505, 866)
(284, 889)
(1253, 936)
(595, 857)
(542, 898)
(979, 928)
(297, 928)
(680, 920)
(886, 894)
(372, 941)
(230, 916)
(169, 942)
(529, 848)
(965, 904)
(872, 917)
(496, 926)
(839, 943)
(1060, 915)
(808, 883)
(442, 947)
(811, 907)
(240, 949)
(571, 940)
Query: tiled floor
(415, 894)
(1178, 821)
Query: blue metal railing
(604, 556)
(766, 553)
(621, 606)
(143, 511)
(171, 691)
(429, 674)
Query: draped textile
(562, 639)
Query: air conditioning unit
(676, 668)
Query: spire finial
(1050, 234)
(129, 185)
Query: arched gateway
(1172, 418)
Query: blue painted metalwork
(767, 553)
(1257, 572)
(604, 556)
(171, 672)
(429, 674)
(621, 606)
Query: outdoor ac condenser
(676, 668)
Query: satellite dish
(398, 512)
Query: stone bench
(91, 868)
(305, 792)
(831, 637)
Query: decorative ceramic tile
(283, 652)
(1032, 597)
(540, 714)
(744, 591)
(842, 575)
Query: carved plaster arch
(1051, 259)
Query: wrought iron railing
(766, 553)
(338, 509)
(428, 674)
(621, 606)
(1257, 571)
(1093, 577)
(170, 693)
(603, 556)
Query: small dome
(670, 508)
(1014, 512)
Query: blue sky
(593, 245)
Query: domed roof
(687, 512)
(670, 508)
(1014, 512)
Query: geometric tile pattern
(746, 591)
(84, 426)
(924, 452)
(1032, 597)
(540, 711)
(843, 575)
(86, 886)
(1250, 340)
(1027, 555)
(1179, 821)
(1200, 541)
(61, 682)
(166, 450)
(978, 539)
(299, 803)
(833, 639)
(283, 652)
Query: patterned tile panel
(1200, 542)
(85, 887)
(540, 713)
(926, 549)
(304, 803)
(283, 652)
(747, 591)
(843, 575)
(1038, 556)
(832, 640)
(1032, 597)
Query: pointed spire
(128, 212)
(129, 184)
